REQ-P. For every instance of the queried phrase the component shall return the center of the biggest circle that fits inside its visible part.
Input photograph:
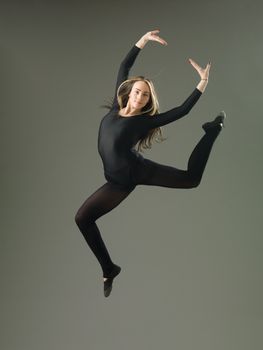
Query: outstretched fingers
(208, 66)
(153, 35)
(194, 64)
(203, 72)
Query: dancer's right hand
(150, 36)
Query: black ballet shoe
(107, 285)
(217, 122)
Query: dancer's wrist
(141, 43)
(202, 85)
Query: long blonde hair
(151, 108)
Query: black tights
(146, 172)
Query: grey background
(191, 259)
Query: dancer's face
(139, 95)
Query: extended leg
(151, 173)
(99, 203)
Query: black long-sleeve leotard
(118, 135)
(124, 168)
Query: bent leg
(148, 172)
(99, 203)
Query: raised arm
(176, 113)
(124, 69)
(161, 119)
(130, 58)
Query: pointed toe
(217, 122)
(107, 285)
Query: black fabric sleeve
(158, 120)
(124, 69)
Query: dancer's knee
(83, 221)
(78, 219)
(195, 182)
(192, 180)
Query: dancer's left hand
(203, 72)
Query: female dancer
(134, 119)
